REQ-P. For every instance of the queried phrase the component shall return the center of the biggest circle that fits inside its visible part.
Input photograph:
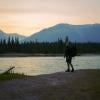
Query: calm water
(44, 65)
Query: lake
(46, 65)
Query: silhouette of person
(69, 50)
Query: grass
(10, 76)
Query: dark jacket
(70, 51)
(67, 51)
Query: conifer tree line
(12, 45)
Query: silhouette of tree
(12, 45)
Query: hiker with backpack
(70, 51)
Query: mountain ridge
(79, 33)
(4, 35)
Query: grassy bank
(10, 76)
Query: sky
(29, 16)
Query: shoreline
(79, 85)
(40, 55)
(29, 55)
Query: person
(70, 51)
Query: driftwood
(8, 70)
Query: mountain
(4, 35)
(78, 33)
(21, 37)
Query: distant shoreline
(29, 55)
(40, 55)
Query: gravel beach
(79, 85)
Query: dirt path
(80, 85)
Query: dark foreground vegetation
(11, 76)
(14, 46)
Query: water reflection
(45, 65)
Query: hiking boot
(72, 70)
(68, 70)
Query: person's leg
(68, 64)
(68, 69)
(72, 67)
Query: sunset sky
(29, 16)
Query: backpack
(73, 49)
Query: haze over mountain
(78, 33)
(4, 35)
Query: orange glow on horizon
(29, 16)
